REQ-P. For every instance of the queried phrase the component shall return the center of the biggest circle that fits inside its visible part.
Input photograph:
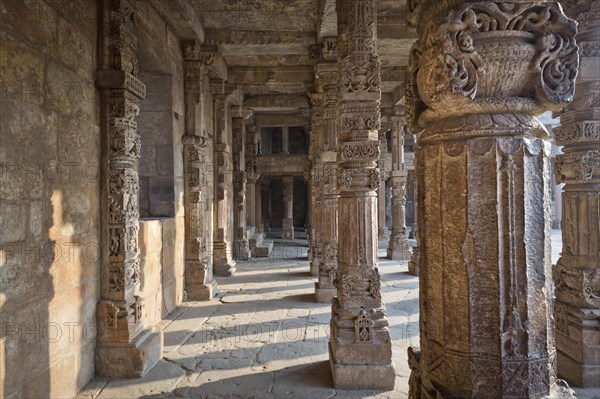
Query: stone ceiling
(267, 44)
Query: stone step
(263, 250)
(256, 240)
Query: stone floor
(265, 337)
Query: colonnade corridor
(265, 336)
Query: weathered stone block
(150, 237)
(129, 360)
(362, 377)
(202, 292)
(76, 50)
(324, 295)
(14, 221)
(34, 20)
(156, 127)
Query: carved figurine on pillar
(287, 231)
(126, 346)
(360, 347)
(577, 274)
(476, 76)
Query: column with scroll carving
(126, 347)
(398, 248)
(476, 77)
(577, 274)
(288, 208)
(199, 281)
(360, 348)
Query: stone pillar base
(242, 250)
(324, 294)
(419, 388)
(129, 360)
(578, 345)
(399, 253)
(202, 292)
(314, 267)
(224, 269)
(223, 263)
(362, 376)
(577, 374)
(382, 233)
(413, 264)
(287, 231)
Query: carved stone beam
(243, 113)
(213, 59)
(181, 18)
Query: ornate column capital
(464, 48)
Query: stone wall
(160, 281)
(49, 197)
(160, 126)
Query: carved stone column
(315, 235)
(398, 248)
(476, 77)
(241, 246)
(224, 265)
(316, 139)
(577, 274)
(382, 230)
(126, 346)
(241, 243)
(253, 200)
(199, 281)
(288, 208)
(413, 263)
(360, 349)
(327, 73)
(325, 289)
(265, 220)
